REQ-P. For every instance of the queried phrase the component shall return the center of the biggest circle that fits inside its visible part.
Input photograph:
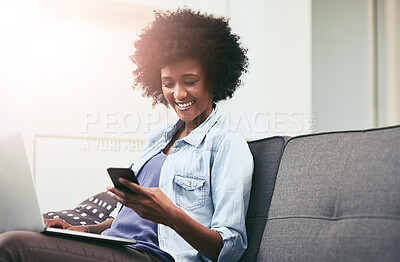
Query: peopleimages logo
(139, 124)
(112, 145)
(277, 122)
(273, 123)
(111, 122)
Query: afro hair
(174, 35)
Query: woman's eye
(168, 84)
(190, 83)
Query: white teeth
(183, 105)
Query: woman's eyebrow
(183, 76)
(188, 75)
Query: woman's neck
(189, 126)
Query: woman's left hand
(149, 203)
(154, 205)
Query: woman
(195, 175)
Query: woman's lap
(32, 246)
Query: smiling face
(184, 85)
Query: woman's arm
(97, 228)
(206, 241)
(154, 205)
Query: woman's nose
(180, 92)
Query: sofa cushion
(93, 210)
(267, 154)
(336, 198)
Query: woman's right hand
(56, 222)
(60, 223)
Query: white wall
(69, 170)
(84, 101)
(276, 96)
(356, 64)
(388, 45)
(342, 64)
(17, 74)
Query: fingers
(50, 222)
(116, 194)
(57, 222)
(136, 189)
(132, 186)
(148, 203)
(129, 199)
(60, 223)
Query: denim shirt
(208, 175)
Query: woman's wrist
(98, 228)
(178, 219)
(205, 240)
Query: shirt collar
(196, 136)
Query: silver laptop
(19, 208)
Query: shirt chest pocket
(190, 191)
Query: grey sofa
(326, 197)
(320, 197)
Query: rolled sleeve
(230, 251)
(233, 245)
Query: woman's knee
(12, 243)
(12, 238)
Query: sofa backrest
(336, 198)
(267, 154)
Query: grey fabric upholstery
(267, 154)
(336, 198)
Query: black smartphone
(127, 173)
